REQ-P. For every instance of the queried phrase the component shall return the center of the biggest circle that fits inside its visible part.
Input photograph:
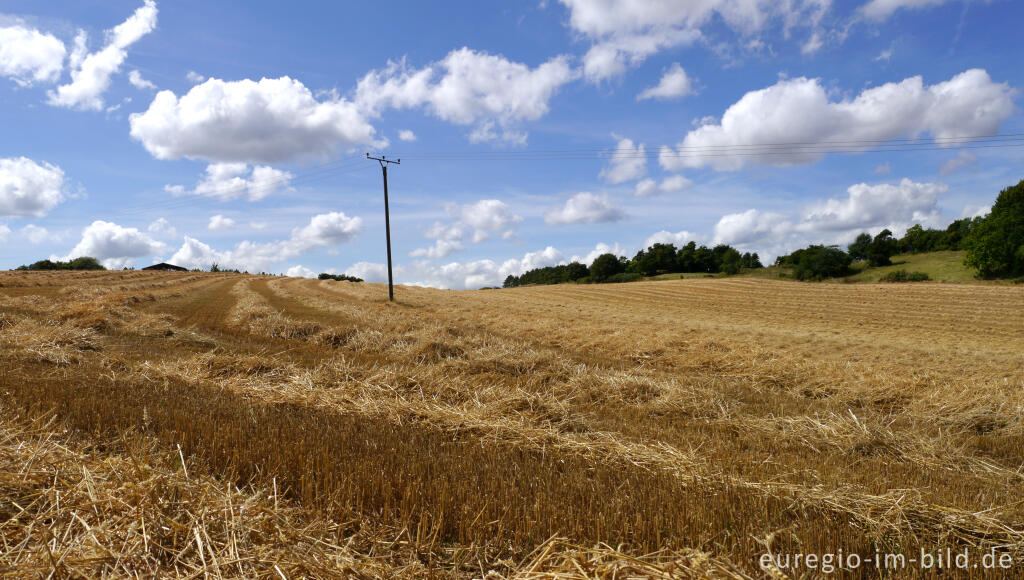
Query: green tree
(859, 248)
(604, 267)
(819, 262)
(995, 246)
(882, 248)
(732, 261)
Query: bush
(903, 276)
(625, 277)
(817, 262)
(338, 277)
(82, 263)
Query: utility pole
(384, 161)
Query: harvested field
(227, 425)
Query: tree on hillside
(882, 248)
(859, 248)
(995, 246)
(817, 262)
(605, 266)
(731, 261)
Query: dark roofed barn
(165, 267)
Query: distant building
(165, 267)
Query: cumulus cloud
(963, 160)
(300, 271)
(468, 87)
(323, 230)
(135, 78)
(625, 32)
(599, 250)
(219, 222)
(90, 73)
(585, 208)
(35, 234)
(194, 77)
(406, 135)
(674, 83)
(113, 245)
(28, 56)
(799, 111)
(836, 220)
(458, 275)
(483, 219)
(628, 162)
(227, 181)
(28, 188)
(162, 227)
(678, 239)
(671, 184)
(266, 121)
(973, 211)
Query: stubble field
(221, 425)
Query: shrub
(82, 263)
(902, 276)
(338, 277)
(817, 262)
(625, 277)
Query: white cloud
(484, 218)
(674, 83)
(35, 234)
(799, 111)
(838, 220)
(28, 188)
(882, 9)
(113, 245)
(270, 120)
(219, 222)
(227, 181)
(599, 250)
(625, 32)
(670, 184)
(194, 77)
(368, 271)
(440, 249)
(885, 55)
(90, 74)
(679, 239)
(406, 135)
(135, 78)
(468, 87)
(28, 56)
(963, 160)
(813, 44)
(627, 162)
(973, 211)
(5, 232)
(300, 271)
(162, 227)
(323, 230)
(585, 208)
(259, 225)
(883, 169)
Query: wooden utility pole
(384, 161)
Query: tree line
(994, 244)
(656, 259)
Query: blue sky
(531, 133)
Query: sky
(530, 133)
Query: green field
(945, 266)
